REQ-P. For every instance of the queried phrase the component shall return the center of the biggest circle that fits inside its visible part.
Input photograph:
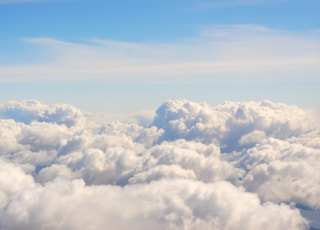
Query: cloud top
(196, 166)
(31, 111)
(231, 125)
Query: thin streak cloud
(251, 51)
(209, 5)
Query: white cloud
(168, 204)
(13, 179)
(230, 123)
(216, 54)
(280, 171)
(33, 111)
(196, 166)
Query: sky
(126, 56)
(138, 114)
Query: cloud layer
(195, 166)
(250, 52)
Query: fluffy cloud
(196, 166)
(232, 125)
(30, 111)
(13, 179)
(186, 160)
(167, 204)
(280, 171)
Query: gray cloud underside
(248, 164)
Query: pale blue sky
(122, 56)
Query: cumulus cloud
(195, 166)
(168, 204)
(280, 171)
(231, 124)
(29, 111)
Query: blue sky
(122, 56)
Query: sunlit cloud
(252, 164)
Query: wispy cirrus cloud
(208, 5)
(219, 52)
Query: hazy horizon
(134, 114)
(128, 56)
